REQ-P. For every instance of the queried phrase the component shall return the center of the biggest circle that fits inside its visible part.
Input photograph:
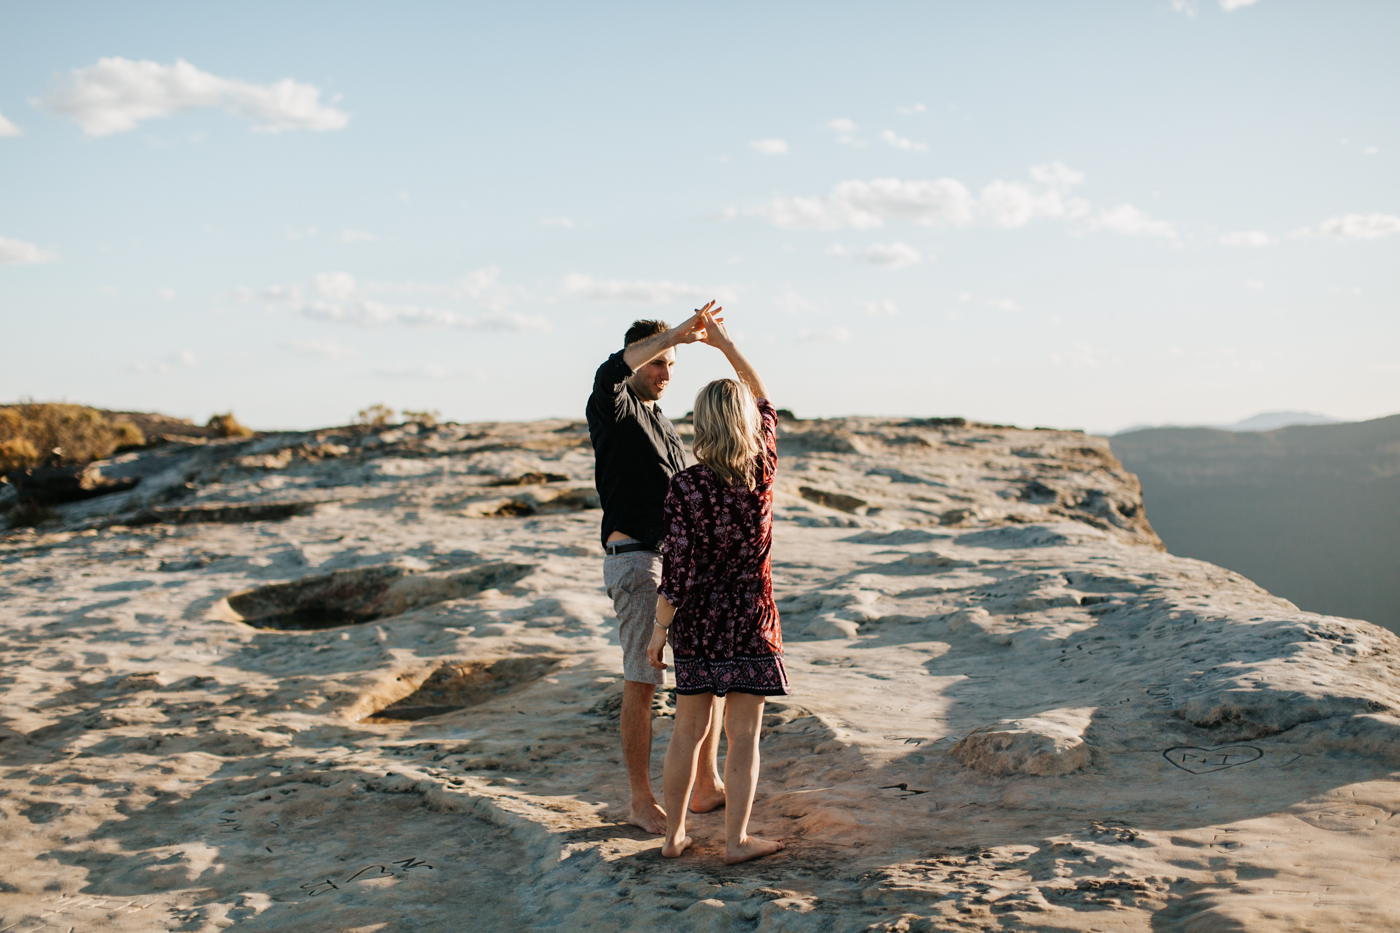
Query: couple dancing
(689, 562)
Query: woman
(715, 601)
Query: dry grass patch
(33, 432)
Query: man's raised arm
(689, 331)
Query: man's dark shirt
(636, 450)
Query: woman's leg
(682, 760)
(742, 722)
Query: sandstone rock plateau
(366, 679)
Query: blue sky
(1086, 214)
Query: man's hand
(694, 327)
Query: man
(637, 450)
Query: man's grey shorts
(631, 580)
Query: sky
(1079, 214)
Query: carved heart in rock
(1206, 760)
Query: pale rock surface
(1049, 743)
(183, 746)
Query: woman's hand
(657, 648)
(715, 334)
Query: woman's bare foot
(671, 848)
(651, 818)
(709, 799)
(751, 848)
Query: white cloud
(769, 146)
(996, 304)
(183, 359)
(1230, 6)
(1247, 238)
(306, 234)
(885, 255)
(20, 253)
(115, 94)
(1356, 227)
(636, 291)
(1369, 150)
(845, 131)
(899, 142)
(356, 236)
(790, 302)
(342, 299)
(911, 109)
(1130, 221)
(827, 334)
(414, 371)
(8, 129)
(866, 205)
(1082, 356)
(330, 349)
(878, 308)
(167, 293)
(556, 222)
(1184, 6)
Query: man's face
(651, 380)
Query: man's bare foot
(671, 848)
(651, 818)
(707, 800)
(751, 848)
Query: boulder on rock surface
(1049, 743)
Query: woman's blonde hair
(726, 431)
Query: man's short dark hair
(641, 330)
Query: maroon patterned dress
(717, 572)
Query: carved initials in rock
(1206, 760)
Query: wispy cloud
(864, 205)
(636, 291)
(566, 222)
(1355, 227)
(115, 94)
(823, 335)
(413, 371)
(167, 293)
(996, 304)
(8, 129)
(885, 255)
(1130, 221)
(330, 349)
(357, 236)
(1191, 7)
(911, 109)
(879, 308)
(339, 297)
(20, 253)
(845, 130)
(181, 359)
(1249, 239)
(769, 146)
(899, 142)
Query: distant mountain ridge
(1265, 421)
(1309, 512)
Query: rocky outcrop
(390, 696)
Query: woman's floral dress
(717, 572)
